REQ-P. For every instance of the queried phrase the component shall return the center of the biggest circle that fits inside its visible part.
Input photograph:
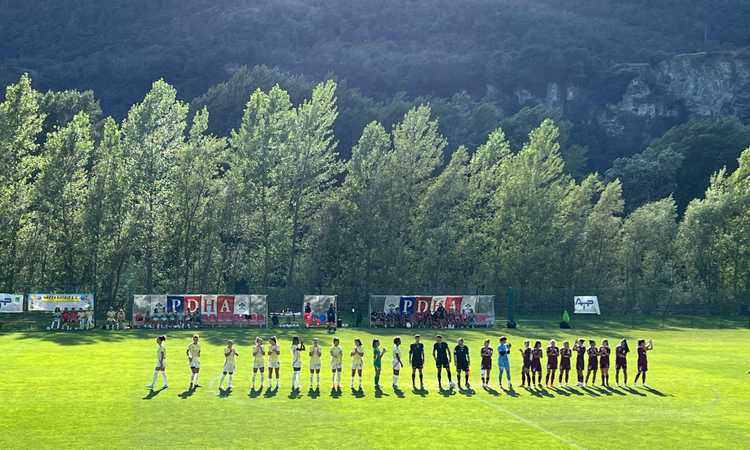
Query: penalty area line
(531, 424)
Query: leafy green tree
(20, 125)
(152, 135)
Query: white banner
(586, 304)
(48, 302)
(11, 303)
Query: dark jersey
(604, 357)
(565, 355)
(441, 351)
(416, 353)
(593, 352)
(486, 356)
(527, 358)
(621, 352)
(461, 355)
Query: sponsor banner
(258, 310)
(175, 304)
(11, 303)
(478, 309)
(224, 308)
(146, 307)
(192, 303)
(586, 304)
(208, 307)
(319, 306)
(48, 302)
(407, 305)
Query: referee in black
(442, 355)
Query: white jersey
(161, 356)
(396, 357)
(258, 357)
(296, 361)
(230, 356)
(194, 355)
(357, 357)
(336, 357)
(273, 356)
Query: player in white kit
(315, 353)
(230, 356)
(397, 364)
(357, 362)
(297, 348)
(258, 363)
(337, 354)
(194, 361)
(161, 363)
(273, 360)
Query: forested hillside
(218, 145)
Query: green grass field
(82, 390)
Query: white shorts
(315, 366)
(274, 364)
(335, 366)
(163, 364)
(258, 365)
(229, 368)
(296, 364)
(195, 364)
(396, 365)
(357, 365)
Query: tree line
(156, 203)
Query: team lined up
(267, 358)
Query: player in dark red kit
(536, 364)
(552, 353)
(643, 348)
(593, 365)
(486, 354)
(604, 352)
(565, 354)
(416, 359)
(580, 349)
(442, 355)
(621, 361)
(526, 353)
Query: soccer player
(536, 364)
(442, 356)
(273, 361)
(161, 363)
(486, 354)
(552, 353)
(565, 354)
(377, 360)
(461, 357)
(357, 362)
(111, 318)
(416, 359)
(56, 319)
(89, 318)
(193, 353)
(397, 363)
(315, 354)
(81, 319)
(297, 348)
(593, 354)
(120, 317)
(337, 356)
(526, 353)
(230, 355)
(643, 359)
(258, 362)
(604, 352)
(580, 349)
(621, 361)
(503, 361)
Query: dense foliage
(157, 203)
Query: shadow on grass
(271, 392)
(422, 392)
(467, 392)
(398, 392)
(335, 393)
(379, 393)
(510, 392)
(225, 393)
(153, 393)
(186, 394)
(255, 393)
(313, 393)
(491, 391)
(294, 394)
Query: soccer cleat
(150, 386)
(164, 387)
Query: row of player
(591, 358)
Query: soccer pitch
(86, 390)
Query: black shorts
(579, 364)
(442, 365)
(462, 367)
(621, 363)
(417, 364)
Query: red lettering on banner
(453, 304)
(192, 303)
(423, 305)
(226, 308)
